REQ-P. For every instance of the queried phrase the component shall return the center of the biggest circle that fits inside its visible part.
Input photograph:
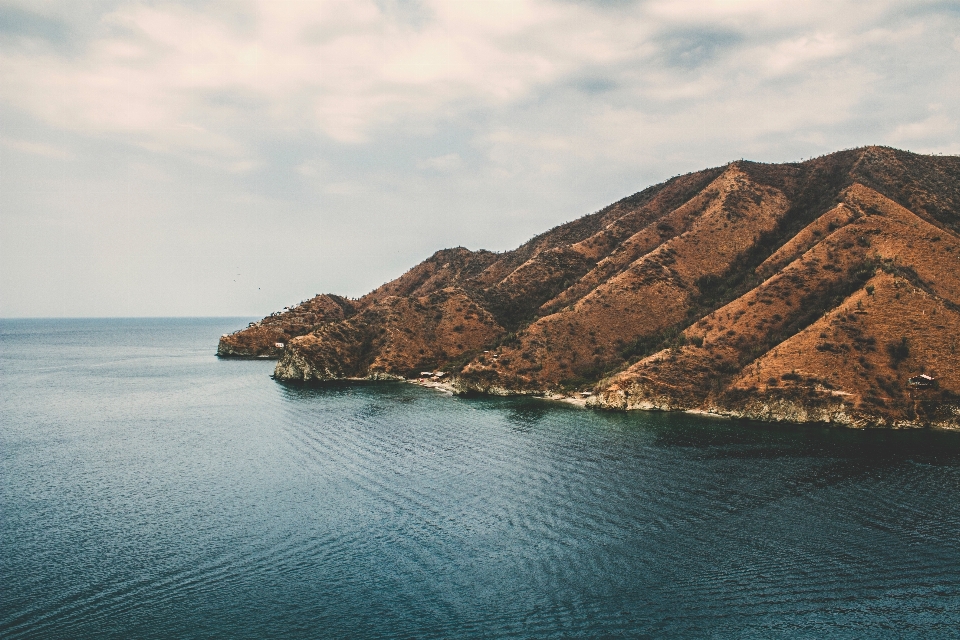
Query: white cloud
(385, 116)
(182, 79)
(342, 68)
(937, 125)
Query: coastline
(448, 388)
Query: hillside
(800, 292)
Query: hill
(808, 291)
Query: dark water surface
(150, 490)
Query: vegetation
(899, 351)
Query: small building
(278, 345)
(922, 381)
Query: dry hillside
(804, 292)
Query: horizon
(223, 161)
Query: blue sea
(150, 490)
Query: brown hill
(806, 292)
(259, 339)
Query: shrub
(899, 351)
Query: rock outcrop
(804, 292)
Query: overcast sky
(231, 158)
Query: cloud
(696, 47)
(191, 80)
(372, 132)
(18, 22)
(447, 162)
(341, 68)
(38, 149)
(937, 125)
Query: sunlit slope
(833, 336)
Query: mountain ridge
(726, 290)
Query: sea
(149, 489)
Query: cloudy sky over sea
(221, 158)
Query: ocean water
(150, 490)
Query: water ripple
(151, 490)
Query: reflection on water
(526, 413)
(151, 490)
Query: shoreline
(447, 388)
(584, 402)
(581, 402)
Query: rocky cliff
(798, 292)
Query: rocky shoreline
(778, 411)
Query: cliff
(798, 292)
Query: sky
(232, 158)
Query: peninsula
(819, 291)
